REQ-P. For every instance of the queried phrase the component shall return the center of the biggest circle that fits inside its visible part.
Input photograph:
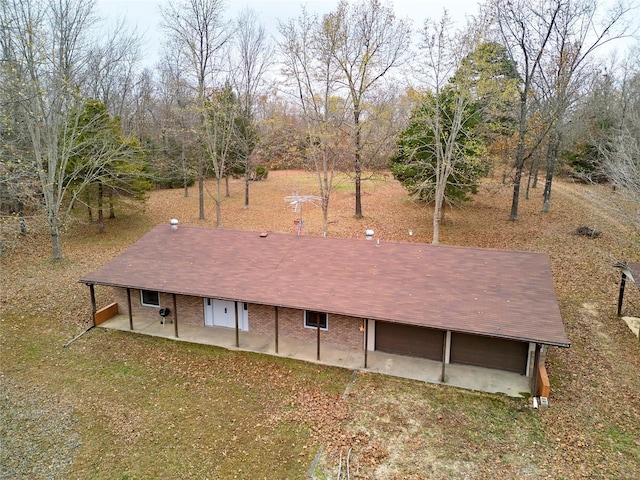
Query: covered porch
(468, 377)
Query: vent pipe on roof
(174, 223)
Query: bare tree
(309, 62)
(112, 69)
(178, 120)
(579, 30)
(47, 45)
(621, 153)
(198, 26)
(252, 58)
(447, 104)
(369, 43)
(524, 28)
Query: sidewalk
(463, 376)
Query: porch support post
(237, 326)
(534, 380)
(129, 309)
(175, 315)
(444, 356)
(276, 307)
(94, 309)
(366, 340)
(621, 294)
(318, 341)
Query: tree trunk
(100, 212)
(185, 175)
(358, 165)
(112, 210)
(246, 186)
(227, 193)
(218, 201)
(552, 159)
(532, 177)
(56, 243)
(87, 197)
(325, 215)
(519, 165)
(201, 189)
(23, 223)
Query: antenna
(298, 201)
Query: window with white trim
(149, 298)
(312, 318)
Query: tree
(220, 132)
(252, 56)
(621, 155)
(124, 173)
(45, 46)
(418, 163)
(577, 33)
(440, 154)
(445, 141)
(492, 80)
(549, 40)
(524, 28)
(368, 42)
(198, 28)
(310, 64)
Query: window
(312, 318)
(149, 298)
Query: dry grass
(115, 405)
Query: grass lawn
(115, 405)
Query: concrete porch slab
(463, 376)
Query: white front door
(222, 313)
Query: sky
(145, 14)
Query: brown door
(489, 352)
(409, 340)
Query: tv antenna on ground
(297, 201)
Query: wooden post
(93, 304)
(129, 309)
(621, 294)
(237, 331)
(276, 328)
(536, 360)
(318, 330)
(175, 315)
(444, 356)
(366, 340)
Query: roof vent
(174, 223)
(368, 233)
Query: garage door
(489, 352)
(409, 340)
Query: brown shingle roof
(490, 292)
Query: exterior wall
(342, 330)
(190, 309)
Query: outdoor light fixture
(368, 233)
(174, 223)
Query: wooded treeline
(526, 89)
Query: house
(482, 307)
